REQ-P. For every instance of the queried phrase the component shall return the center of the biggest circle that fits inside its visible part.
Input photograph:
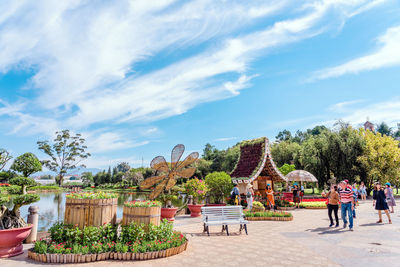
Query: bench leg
(208, 232)
(241, 227)
(204, 228)
(223, 228)
(226, 228)
(245, 229)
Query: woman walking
(389, 197)
(380, 202)
(333, 204)
(363, 191)
(270, 196)
(249, 196)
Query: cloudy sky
(137, 77)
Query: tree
(221, 160)
(5, 156)
(27, 163)
(384, 129)
(134, 176)
(123, 167)
(381, 158)
(286, 152)
(284, 135)
(66, 153)
(286, 168)
(219, 185)
(87, 178)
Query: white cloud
(223, 139)
(103, 162)
(343, 106)
(386, 56)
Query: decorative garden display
(90, 209)
(13, 228)
(268, 216)
(283, 204)
(168, 173)
(141, 212)
(314, 205)
(69, 244)
(256, 166)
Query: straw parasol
(301, 176)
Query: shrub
(219, 185)
(197, 188)
(267, 214)
(23, 182)
(26, 164)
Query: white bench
(223, 215)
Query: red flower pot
(11, 241)
(195, 210)
(168, 213)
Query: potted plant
(198, 190)
(219, 186)
(168, 211)
(13, 228)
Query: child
(355, 199)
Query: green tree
(286, 168)
(219, 185)
(5, 156)
(284, 135)
(27, 164)
(123, 167)
(87, 178)
(384, 129)
(221, 160)
(381, 158)
(286, 152)
(66, 153)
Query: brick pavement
(305, 241)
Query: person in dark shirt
(380, 202)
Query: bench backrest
(221, 213)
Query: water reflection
(52, 206)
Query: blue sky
(136, 78)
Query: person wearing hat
(249, 196)
(270, 196)
(346, 200)
(380, 202)
(389, 197)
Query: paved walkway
(305, 241)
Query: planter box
(90, 212)
(78, 258)
(140, 215)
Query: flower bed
(89, 195)
(314, 200)
(313, 205)
(142, 204)
(69, 244)
(268, 216)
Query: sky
(136, 78)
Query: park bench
(223, 215)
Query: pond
(52, 206)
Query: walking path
(305, 241)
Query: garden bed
(286, 208)
(79, 258)
(268, 216)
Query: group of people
(347, 196)
(235, 195)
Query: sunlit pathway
(305, 241)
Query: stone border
(269, 218)
(79, 258)
(286, 208)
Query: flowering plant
(4, 184)
(197, 188)
(142, 203)
(88, 195)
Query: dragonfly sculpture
(168, 173)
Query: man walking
(346, 200)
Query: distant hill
(78, 171)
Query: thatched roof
(255, 160)
(301, 176)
